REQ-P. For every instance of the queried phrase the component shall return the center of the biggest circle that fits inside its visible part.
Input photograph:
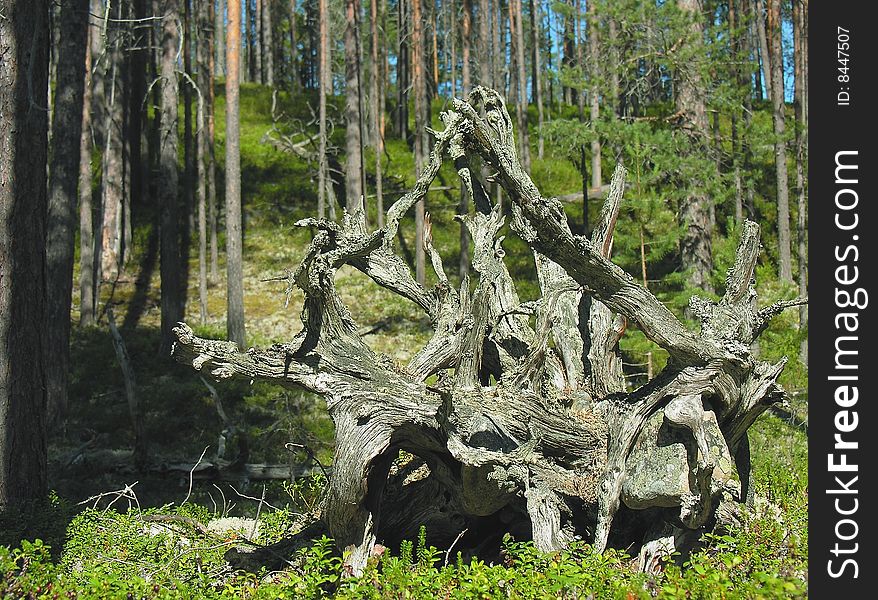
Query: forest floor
(102, 542)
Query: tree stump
(526, 428)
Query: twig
(457, 539)
(192, 470)
(254, 498)
(124, 492)
(311, 455)
(225, 502)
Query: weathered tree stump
(526, 428)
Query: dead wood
(528, 427)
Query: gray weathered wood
(525, 427)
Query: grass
(111, 552)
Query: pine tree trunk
(113, 155)
(613, 67)
(523, 133)
(569, 50)
(203, 22)
(466, 84)
(219, 28)
(433, 88)
(498, 55)
(323, 89)
(785, 265)
(62, 198)
(255, 30)
(764, 47)
(800, 57)
(86, 219)
(169, 202)
(450, 18)
(594, 54)
(419, 86)
(485, 43)
(580, 61)
(212, 205)
(267, 44)
(376, 91)
(295, 79)
(403, 72)
(234, 258)
(697, 257)
(466, 47)
(24, 44)
(537, 73)
(353, 112)
(736, 49)
(189, 217)
(138, 191)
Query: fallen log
(523, 427)
(225, 471)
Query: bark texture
(24, 84)
(63, 183)
(526, 427)
(172, 293)
(234, 266)
(697, 257)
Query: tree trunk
(138, 191)
(594, 55)
(202, 61)
(450, 18)
(498, 55)
(580, 62)
(24, 85)
(113, 155)
(800, 37)
(523, 134)
(485, 43)
(234, 259)
(785, 264)
(569, 50)
(219, 28)
(87, 305)
(189, 213)
(212, 206)
(255, 31)
(376, 91)
(421, 110)
(537, 73)
(353, 110)
(735, 47)
(267, 44)
(764, 48)
(613, 67)
(433, 88)
(172, 303)
(295, 79)
(696, 257)
(63, 179)
(403, 73)
(466, 83)
(466, 33)
(516, 434)
(323, 88)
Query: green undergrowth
(111, 554)
(120, 548)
